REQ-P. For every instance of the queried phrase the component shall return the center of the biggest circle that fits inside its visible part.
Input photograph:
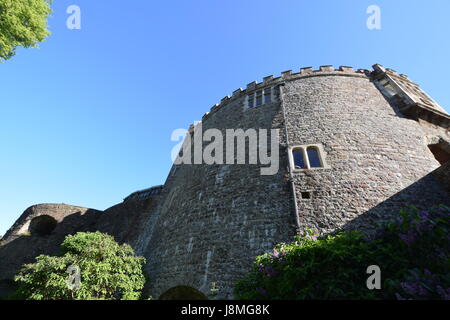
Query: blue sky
(86, 119)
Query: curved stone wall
(378, 160)
(216, 218)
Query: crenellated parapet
(412, 101)
(288, 75)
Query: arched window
(307, 157)
(314, 157)
(299, 160)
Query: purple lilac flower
(276, 254)
(444, 294)
(424, 215)
(414, 289)
(261, 268)
(311, 237)
(369, 237)
(262, 291)
(399, 297)
(408, 238)
(271, 272)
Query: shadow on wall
(424, 193)
(183, 293)
(44, 236)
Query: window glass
(267, 96)
(299, 162)
(251, 101)
(259, 99)
(314, 158)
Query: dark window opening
(251, 101)
(267, 96)
(442, 155)
(259, 98)
(299, 161)
(42, 225)
(314, 158)
(306, 195)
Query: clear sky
(86, 119)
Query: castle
(355, 147)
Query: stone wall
(21, 245)
(378, 159)
(217, 218)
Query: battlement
(287, 75)
(410, 93)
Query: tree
(107, 271)
(22, 23)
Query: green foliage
(413, 253)
(108, 271)
(22, 23)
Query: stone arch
(42, 225)
(440, 148)
(183, 293)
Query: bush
(107, 271)
(412, 253)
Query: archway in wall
(42, 225)
(183, 293)
(441, 151)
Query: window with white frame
(307, 157)
(259, 98)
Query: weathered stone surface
(378, 158)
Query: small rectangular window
(306, 195)
(259, 98)
(267, 95)
(251, 101)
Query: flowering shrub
(413, 253)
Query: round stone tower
(322, 149)
(355, 147)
